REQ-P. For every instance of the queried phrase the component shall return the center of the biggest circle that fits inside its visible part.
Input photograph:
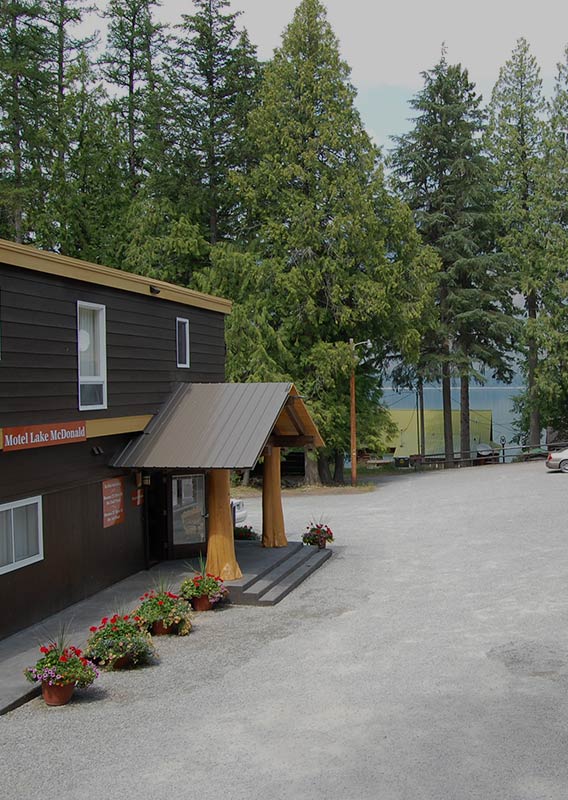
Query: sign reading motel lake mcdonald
(25, 437)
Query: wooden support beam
(273, 534)
(291, 411)
(221, 558)
(290, 441)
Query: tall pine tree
(218, 76)
(332, 256)
(516, 144)
(442, 174)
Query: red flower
(136, 618)
(44, 649)
(104, 620)
(63, 659)
(114, 618)
(160, 602)
(125, 617)
(84, 662)
(93, 628)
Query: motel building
(118, 432)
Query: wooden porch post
(221, 559)
(273, 534)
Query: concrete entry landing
(268, 576)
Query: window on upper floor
(91, 349)
(182, 342)
(21, 535)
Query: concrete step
(256, 562)
(279, 581)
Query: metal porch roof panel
(209, 426)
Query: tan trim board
(26, 257)
(110, 426)
(114, 425)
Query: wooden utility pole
(353, 414)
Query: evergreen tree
(516, 144)
(26, 92)
(88, 207)
(551, 327)
(131, 64)
(217, 76)
(442, 174)
(332, 255)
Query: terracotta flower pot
(160, 629)
(122, 662)
(202, 603)
(57, 695)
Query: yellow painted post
(273, 533)
(221, 558)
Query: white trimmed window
(21, 534)
(91, 351)
(182, 342)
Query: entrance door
(188, 515)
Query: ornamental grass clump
(161, 605)
(317, 533)
(119, 641)
(61, 665)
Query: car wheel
(564, 466)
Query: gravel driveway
(428, 659)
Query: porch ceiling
(221, 426)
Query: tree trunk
(338, 476)
(311, 474)
(447, 405)
(245, 480)
(464, 419)
(323, 469)
(532, 364)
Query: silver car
(558, 460)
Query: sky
(388, 44)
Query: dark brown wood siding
(80, 556)
(38, 348)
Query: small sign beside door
(113, 502)
(137, 497)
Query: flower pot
(321, 545)
(159, 628)
(57, 695)
(123, 662)
(202, 603)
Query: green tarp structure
(405, 441)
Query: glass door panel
(188, 511)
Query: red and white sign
(113, 502)
(25, 437)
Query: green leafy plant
(119, 637)
(204, 584)
(161, 605)
(61, 664)
(317, 533)
(246, 533)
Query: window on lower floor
(21, 534)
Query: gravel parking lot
(428, 659)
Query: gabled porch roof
(221, 426)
